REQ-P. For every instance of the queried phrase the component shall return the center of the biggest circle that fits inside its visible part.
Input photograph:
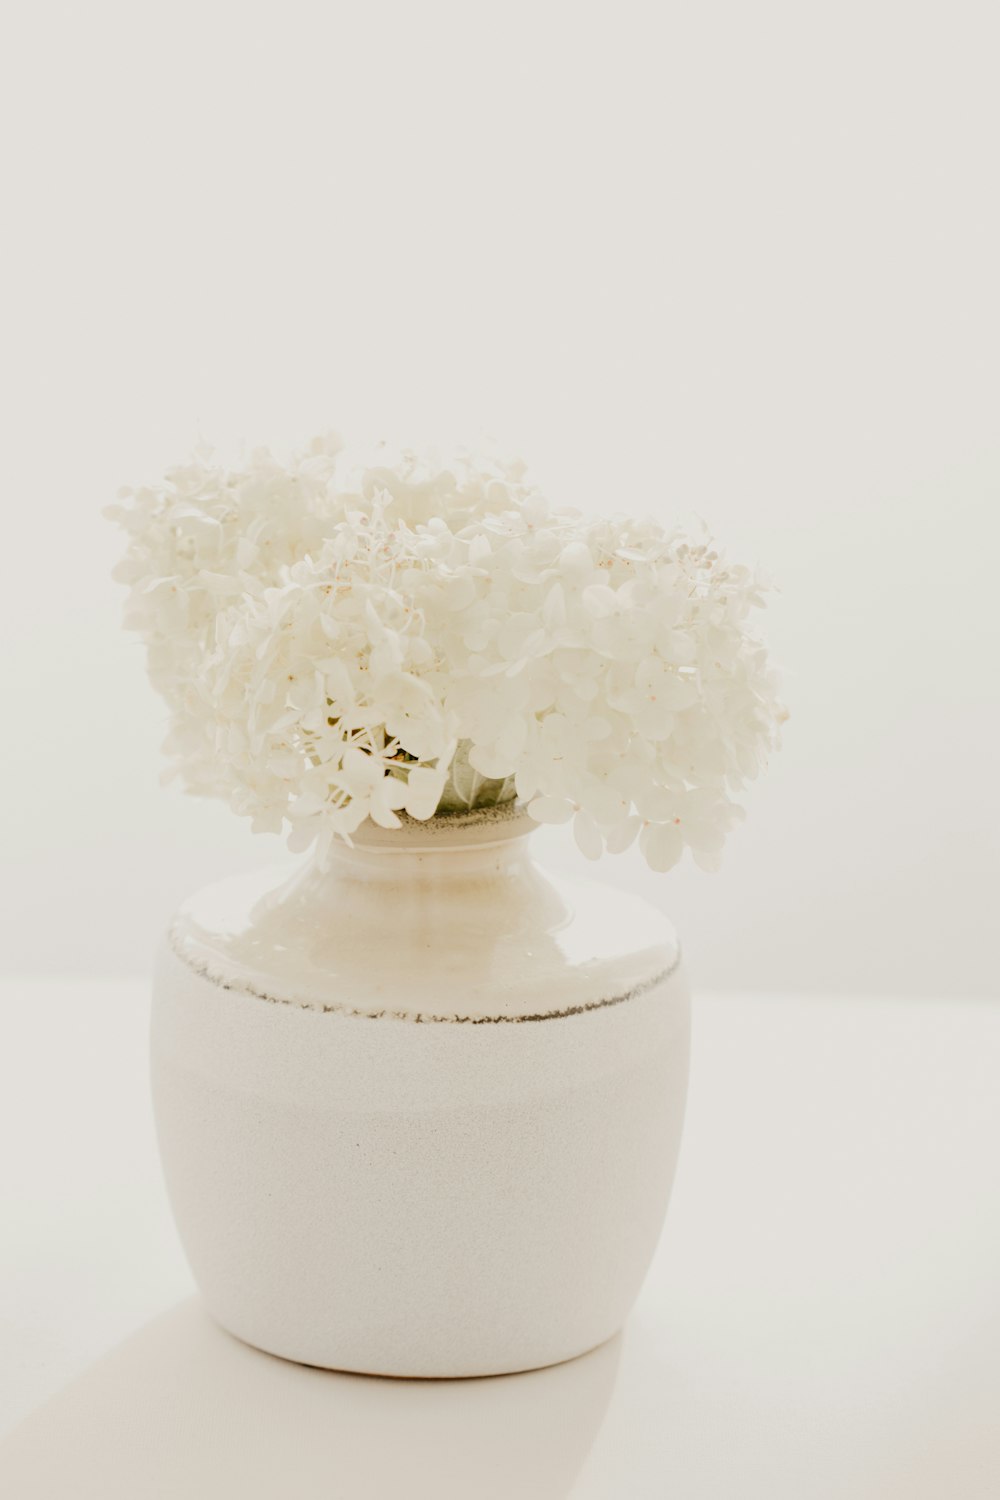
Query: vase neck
(455, 846)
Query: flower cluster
(340, 642)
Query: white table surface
(822, 1318)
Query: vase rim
(463, 828)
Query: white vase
(419, 1113)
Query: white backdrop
(733, 260)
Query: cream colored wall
(737, 261)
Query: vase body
(419, 1113)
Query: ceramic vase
(419, 1111)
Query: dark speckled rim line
(244, 987)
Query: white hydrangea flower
(339, 642)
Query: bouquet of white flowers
(343, 641)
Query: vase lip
(463, 828)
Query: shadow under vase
(183, 1408)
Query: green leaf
(466, 788)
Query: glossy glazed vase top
(458, 906)
(474, 1194)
